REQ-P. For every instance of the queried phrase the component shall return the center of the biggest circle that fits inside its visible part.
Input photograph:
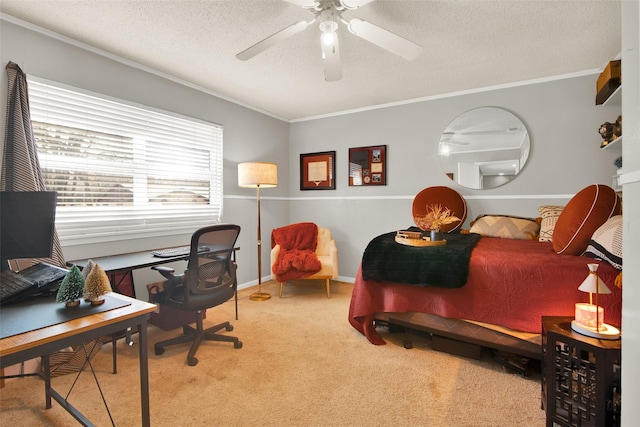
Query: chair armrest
(275, 251)
(333, 253)
(170, 284)
(167, 272)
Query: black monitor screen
(27, 221)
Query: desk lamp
(258, 175)
(590, 317)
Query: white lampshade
(257, 174)
(593, 283)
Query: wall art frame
(317, 171)
(368, 165)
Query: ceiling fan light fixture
(328, 26)
(328, 37)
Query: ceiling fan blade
(331, 60)
(273, 39)
(307, 4)
(483, 132)
(354, 4)
(385, 39)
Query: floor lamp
(258, 175)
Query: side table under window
(580, 377)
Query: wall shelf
(615, 99)
(615, 144)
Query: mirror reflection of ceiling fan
(448, 136)
(329, 14)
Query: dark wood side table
(580, 377)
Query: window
(124, 171)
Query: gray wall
(563, 123)
(560, 115)
(248, 135)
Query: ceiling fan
(448, 136)
(329, 13)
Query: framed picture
(317, 171)
(368, 165)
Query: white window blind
(124, 171)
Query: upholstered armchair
(303, 251)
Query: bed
(510, 284)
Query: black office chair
(210, 280)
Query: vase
(72, 304)
(436, 236)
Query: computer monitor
(27, 221)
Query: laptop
(39, 279)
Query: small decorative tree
(71, 288)
(85, 272)
(87, 269)
(96, 285)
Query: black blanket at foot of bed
(445, 266)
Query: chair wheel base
(237, 344)
(192, 361)
(159, 350)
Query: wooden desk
(120, 267)
(44, 341)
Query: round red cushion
(445, 197)
(586, 211)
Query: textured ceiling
(467, 45)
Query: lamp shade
(257, 174)
(593, 283)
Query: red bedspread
(511, 283)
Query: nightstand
(580, 377)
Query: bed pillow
(606, 242)
(445, 197)
(549, 217)
(506, 227)
(586, 211)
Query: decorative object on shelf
(368, 166)
(606, 132)
(71, 288)
(589, 318)
(608, 81)
(317, 171)
(610, 131)
(96, 284)
(617, 127)
(618, 162)
(258, 175)
(436, 217)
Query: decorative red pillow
(582, 216)
(445, 197)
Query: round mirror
(484, 148)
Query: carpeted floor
(302, 364)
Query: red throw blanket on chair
(297, 258)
